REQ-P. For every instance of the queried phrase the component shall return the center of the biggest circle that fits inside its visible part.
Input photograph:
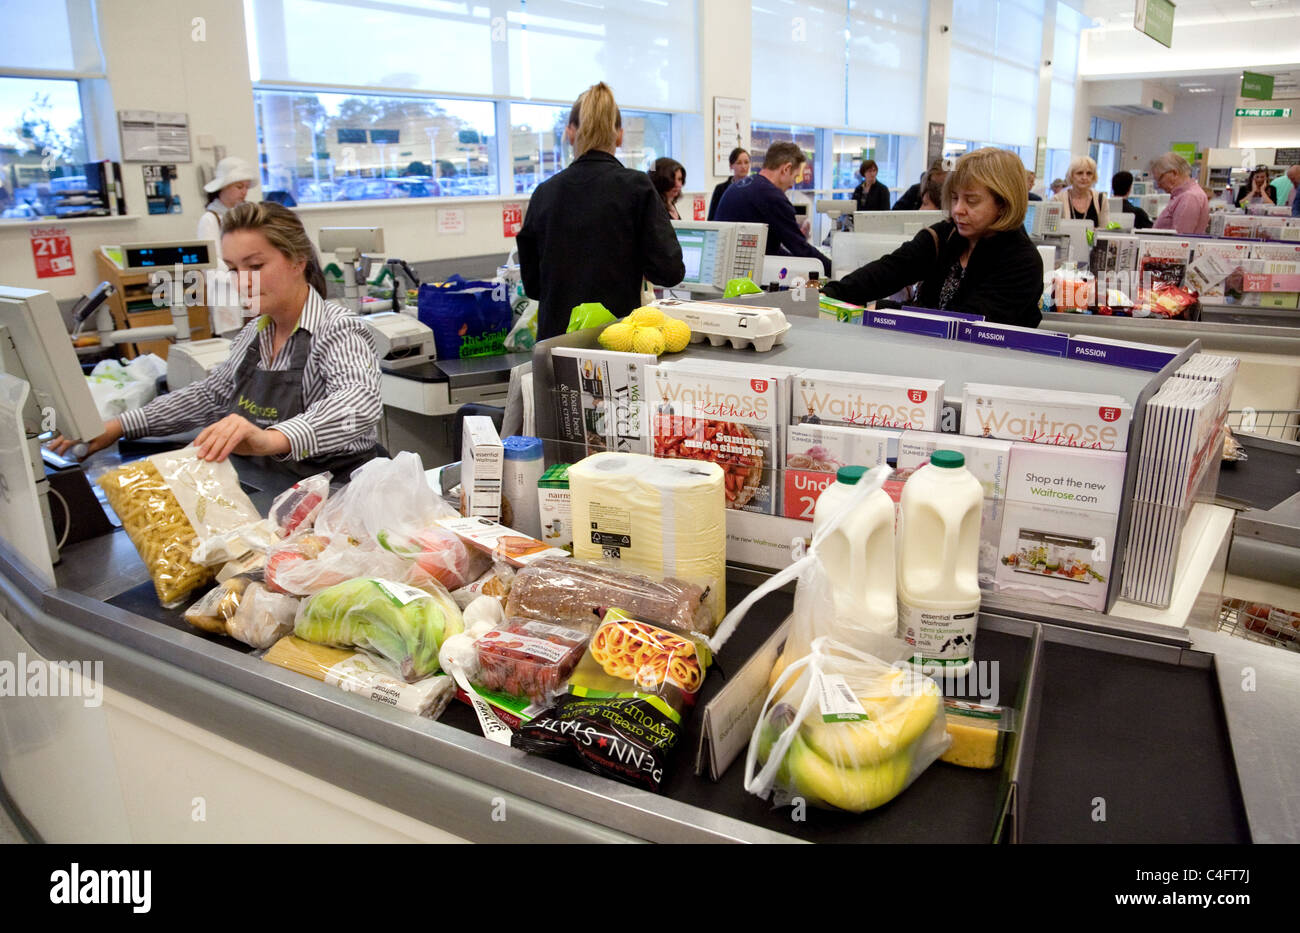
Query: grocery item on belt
(626, 704)
(665, 518)
(215, 608)
(402, 623)
(263, 617)
(576, 594)
(296, 508)
(168, 504)
(360, 673)
(234, 545)
(978, 733)
(848, 732)
(526, 658)
(440, 554)
(481, 463)
(495, 582)
(306, 564)
(498, 541)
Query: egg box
(740, 325)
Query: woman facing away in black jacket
(593, 231)
(980, 260)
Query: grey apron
(267, 397)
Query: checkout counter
(198, 740)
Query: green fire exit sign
(1283, 112)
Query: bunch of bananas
(404, 624)
(856, 765)
(646, 330)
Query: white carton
(726, 413)
(481, 460)
(989, 461)
(1046, 417)
(1058, 529)
(866, 400)
(740, 325)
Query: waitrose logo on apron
(257, 411)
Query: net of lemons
(646, 330)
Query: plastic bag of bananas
(843, 730)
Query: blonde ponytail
(596, 120)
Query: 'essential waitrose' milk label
(866, 400)
(1042, 416)
(938, 638)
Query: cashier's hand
(112, 434)
(235, 434)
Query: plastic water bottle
(859, 558)
(938, 562)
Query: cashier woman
(593, 231)
(980, 260)
(300, 391)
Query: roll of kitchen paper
(1049, 261)
(662, 517)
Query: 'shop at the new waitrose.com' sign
(1155, 18)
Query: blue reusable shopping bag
(468, 318)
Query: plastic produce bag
(168, 504)
(213, 610)
(117, 388)
(401, 623)
(589, 314)
(844, 731)
(296, 508)
(626, 704)
(263, 617)
(232, 545)
(363, 674)
(389, 503)
(306, 564)
(468, 318)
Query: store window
(538, 149)
(763, 135)
(43, 147)
(1058, 166)
(849, 149)
(320, 147)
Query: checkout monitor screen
(700, 250)
(148, 256)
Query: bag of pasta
(626, 704)
(168, 504)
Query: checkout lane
(443, 774)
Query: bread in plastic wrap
(577, 593)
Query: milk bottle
(859, 559)
(938, 562)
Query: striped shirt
(341, 393)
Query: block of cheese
(974, 745)
(660, 517)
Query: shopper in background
(980, 260)
(228, 188)
(1121, 183)
(738, 160)
(910, 200)
(1080, 200)
(1188, 210)
(594, 230)
(1058, 185)
(1031, 178)
(668, 176)
(932, 193)
(300, 391)
(760, 199)
(1257, 190)
(1283, 188)
(870, 194)
(1293, 175)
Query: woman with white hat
(226, 190)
